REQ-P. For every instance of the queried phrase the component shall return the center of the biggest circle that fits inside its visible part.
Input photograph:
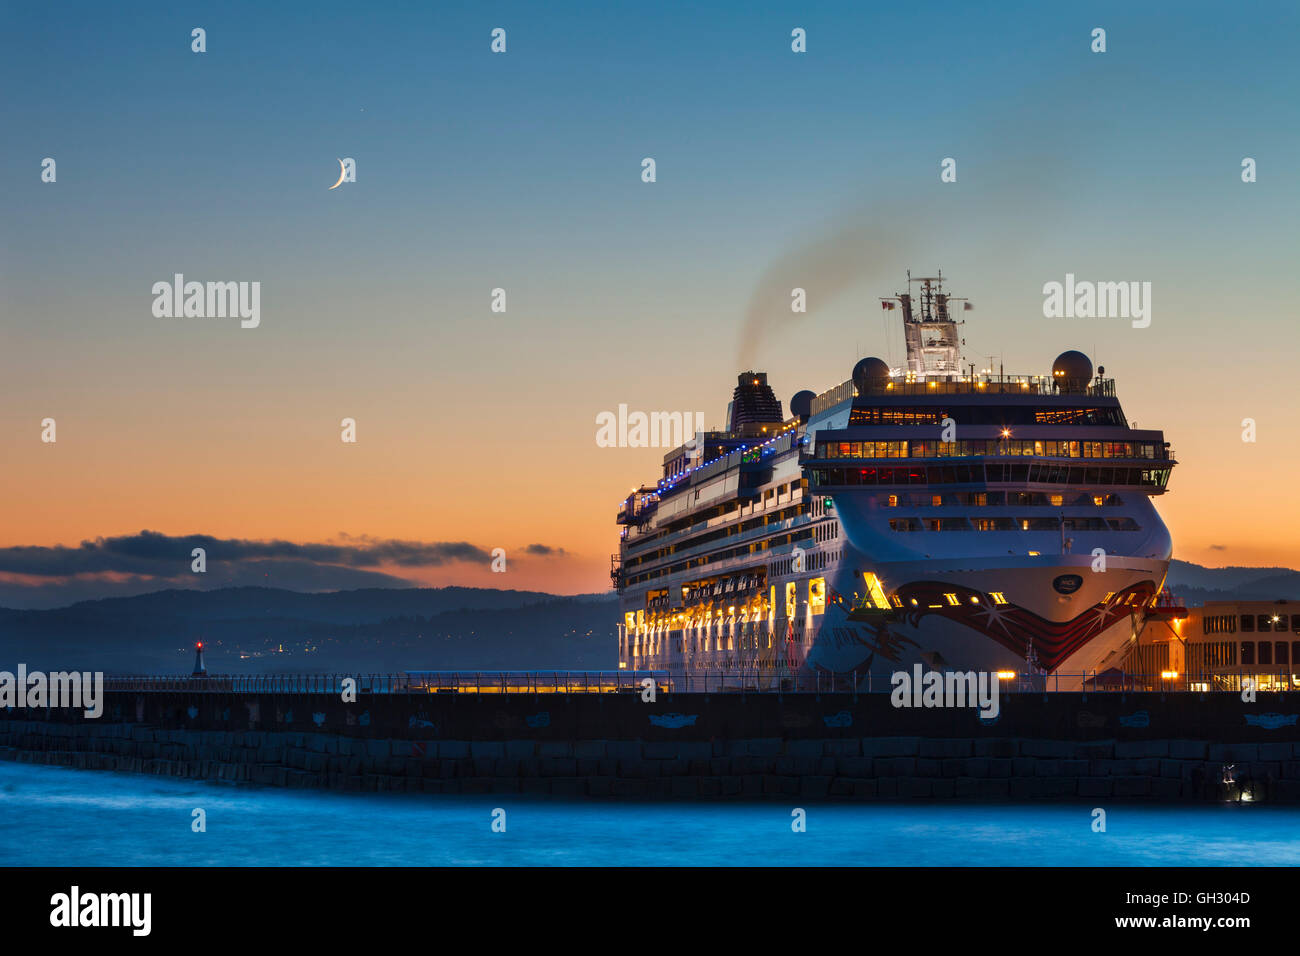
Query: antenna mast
(932, 337)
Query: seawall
(1160, 747)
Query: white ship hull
(930, 517)
(1038, 632)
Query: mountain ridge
(252, 629)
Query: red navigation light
(200, 645)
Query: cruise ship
(932, 513)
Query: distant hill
(1195, 584)
(250, 630)
(253, 630)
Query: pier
(406, 733)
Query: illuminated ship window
(1109, 595)
(875, 591)
(997, 597)
(898, 602)
(817, 594)
(1056, 500)
(893, 501)
(1098, 500)
(951, 599)
(974, 599)
(913, 602)
(791, 598)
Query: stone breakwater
(805, 768)
(1142, 746)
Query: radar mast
(933, 341)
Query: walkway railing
(411, 682)
(720, 681)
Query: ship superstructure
(931, 513)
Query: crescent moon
(343, 171)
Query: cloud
(153, 553)
(150, 560)
(545, 551)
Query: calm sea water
(57, 816)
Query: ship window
(1264, 622)
(1265, 653)
(893, 501)
(1039, 524)
(997, 597)
(1248, 622)
(951, 599)
(1281, 623)
(817, 594)
(1283, 657)
(1247, 653)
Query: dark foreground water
(56, 816)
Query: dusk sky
(522, 171)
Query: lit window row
(981, 473)
(1016, 447)
(960, 523)
(998, 499)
